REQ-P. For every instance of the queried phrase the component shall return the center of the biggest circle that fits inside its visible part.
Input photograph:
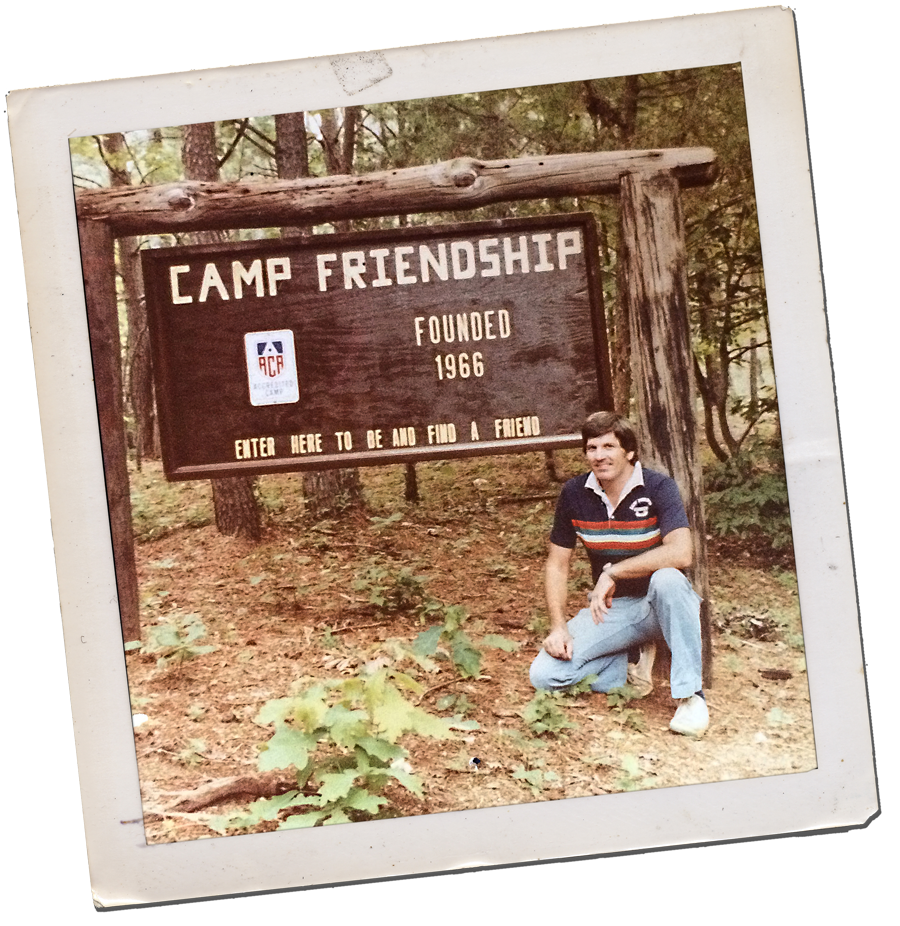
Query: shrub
(747, 497)
(341, 737)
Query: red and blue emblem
(270, 355)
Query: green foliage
(747, 497)
(192, 754)
(391, 590)
(341, 737)
(196, 710)
(534, 778)
(449, 639)
(618, 700)
(538, 623)
(631, 777)
(176, 640)
(543, 713)
(159, 507)
(382, 524)
(496, 641)
(786, 578)
(581, 687)
(458, 703)
(501, 570)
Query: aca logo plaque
(271, 367)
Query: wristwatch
(607, 569)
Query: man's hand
(601, 597)
(559, 643)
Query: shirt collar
(637, 479)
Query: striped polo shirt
(649, 509)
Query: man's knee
(669, 581)
(540, 675)
(548, 673)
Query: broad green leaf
(498, 642)
(466, 658)
(630, 765)
(534, 778)
(286, 748)
(275, 711)
(395, 716)
(338, 785)
(381, 749)
(360, 799)
(345, 726)
(426, 643)
(201, 650)
(310, 708)
(268, 808)
(457, 723)
(410, 782)
(336, 816)
(402, 680)
(165, 636)
(455, 616)
(299, 821)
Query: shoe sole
(694, 734)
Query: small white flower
(138, 719)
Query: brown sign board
(417, 343)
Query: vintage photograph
(442, 447)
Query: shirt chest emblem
(641, 507)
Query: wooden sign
(353, 349)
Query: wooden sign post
(655, 297)
(648, 183)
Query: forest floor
(313, 602)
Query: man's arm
(556, 578)
(677, 551)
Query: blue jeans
(670, 609)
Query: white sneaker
(691, 718)
(640, 673)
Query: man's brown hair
(600, 423)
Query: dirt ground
(298, 607)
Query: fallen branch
(437, 688)
(239, 788)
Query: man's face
(608, 459)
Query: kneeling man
(633, 524)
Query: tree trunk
(99, 268)
(754, 379)
(621, 345)
(292, 157)
(330, 490)
(138, 373)
(411, 484)
(324, 490)
(655, 287)
(234, 499)
(138, 363)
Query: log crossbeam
(463, 183)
